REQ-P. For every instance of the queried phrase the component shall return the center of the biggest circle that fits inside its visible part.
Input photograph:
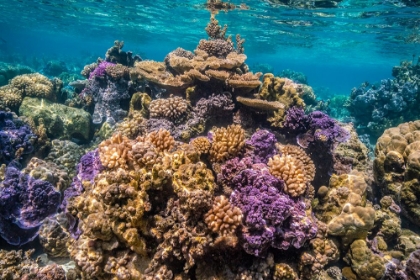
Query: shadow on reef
(197, 168)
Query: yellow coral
(190, 177)
(299, 154)
(291, 171)
(227, 143)
(10, 97)
(34, 85)
(201, 144)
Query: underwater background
(270, 139)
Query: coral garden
(197, 168)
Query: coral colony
(197, 168)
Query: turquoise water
(337, 47)
(191, 166)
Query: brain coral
(397, 167)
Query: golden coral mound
(193, 176)
(223, 218)
(161, 139)
(34, 85)
(299, 154)
(131, 126)
(115, 152)
(174, 109)
(227, 143)
(201, 144)
(397, 167)
(291, 171)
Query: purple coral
(261, 146)
(323, 132)
(24, 203)
(99, 71)
(87, 169)
(270, 217)
(296, 121)
(14, 140)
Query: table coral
(396, 167)
(25, 203)
(16, 138)
(226, 143)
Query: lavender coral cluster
(15, 139)
(24, 203)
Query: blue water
(337, 48)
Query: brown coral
(299, 154)
(118, 71)
(291, 171)
(227, 143)
(162, 140)
(223, 218)
(201, 144)
(116, 152)
(10, 97)
(34, 85)
(172, 108)
(191, 176)
(260, 104)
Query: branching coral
(173, 108)
(223, 218)
(226, 143)
(291, 171)
(161, 139)
(299, 154)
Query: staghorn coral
(223, 218)
(11, 97)
(172, 108)
(226, 143)
(291, 171)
